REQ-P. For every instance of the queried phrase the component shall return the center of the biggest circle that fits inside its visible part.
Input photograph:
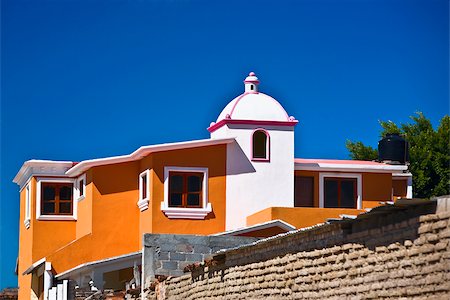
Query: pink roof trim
(219, 124)
(236, 103)
(337, 161)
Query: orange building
(85, 221)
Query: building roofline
(114, 259)
(35, 167)
(43, 167)
(346, 166)
(269, 224)
(143, 151)
(215, 126)
(33, 266)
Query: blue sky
(89, 79)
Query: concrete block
(177, 256)
(194, 257)
(170, 265)
(184, 248)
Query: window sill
(143, 204)
(56, 218)
(27, 223)
(186, 213)
(261, 159)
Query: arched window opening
(260, 145)
(251, 87)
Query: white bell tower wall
(255, 185)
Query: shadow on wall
(240, 163)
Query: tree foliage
(359, 151)
(429, 152)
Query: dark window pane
(304, 191)
(348, 197)
(194, 184)
(49, 193)
(65, 207)
(81, 187)
(331, 193)
(259, 145)
(176, 183)
(65, 193)
(193, 200)
(144, 187)
(175, 199)
(48, 208)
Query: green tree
(359, 151)
(429, 152)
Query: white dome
(254, 106)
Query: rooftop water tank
(393, 149)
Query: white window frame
(41, 217)
(143, 202)
(186, 212)
(358, 177)
(27, 220)
(77, 192)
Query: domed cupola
(253, 107)
(251, 83)
(260, 160)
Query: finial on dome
(251, 83)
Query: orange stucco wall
(25, 246)
(145, 217)
(109, 222)
(299, 216)
(263, 233)
(115, 213)
(84, 221)
(376, 187)
(42, 238)
(211, 157)
(400, 187)
(111, 227)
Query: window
(144, 190)
(80, 187)
(304, 191)
(27, 206)
(185, 189)
(260, 145)
(56, 198)
(340, 190)
(186, 193)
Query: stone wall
(396, 252)
(169, 254)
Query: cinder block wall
(169, 254)
(403, 253)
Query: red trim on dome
(251, 122)
(236, 103)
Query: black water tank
(393, 149)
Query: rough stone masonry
(396, 252)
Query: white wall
(253, 186)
